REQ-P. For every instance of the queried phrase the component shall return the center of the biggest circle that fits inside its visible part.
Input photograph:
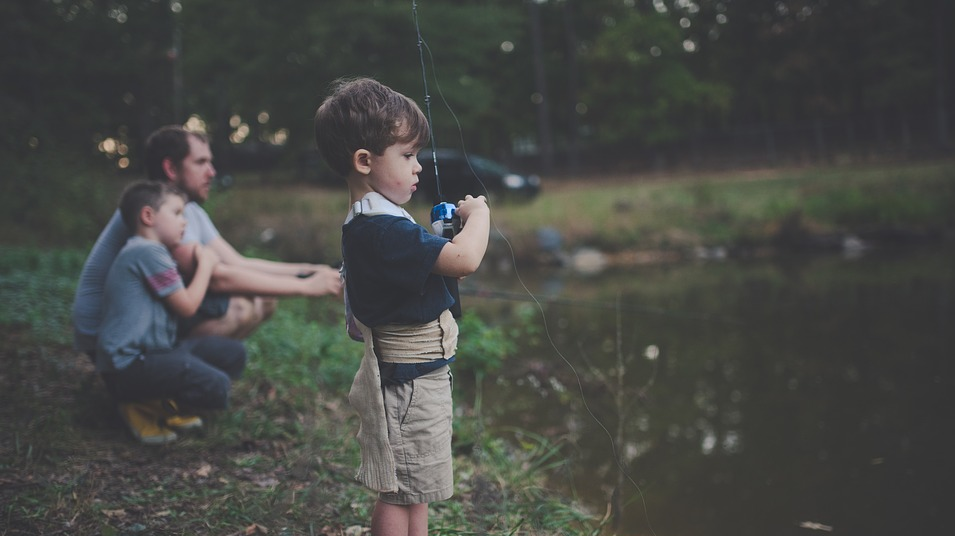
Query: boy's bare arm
(185, 301)
(463, 254)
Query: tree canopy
(513, 78)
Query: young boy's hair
(362, 113)
(144, 194)
(172, 142)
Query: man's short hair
(144, 194)
(362, 113)
(172, 142)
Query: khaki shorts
(419, 430)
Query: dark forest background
(558, 87)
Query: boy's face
(394, 174)
(169, 222)
(195, 173)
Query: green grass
(737, 208)
(635, 213)
(281, 458)
(291, 221)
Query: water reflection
(788, 396)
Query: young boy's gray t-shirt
(135, 319)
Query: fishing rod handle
(445, 220)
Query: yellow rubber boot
(144, 423)
(174, 419)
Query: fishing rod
(444, 218)
(427, 100)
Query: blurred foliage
(56, 197)
(648, 93)
(36, 288)
(609, 81)
(642, 72)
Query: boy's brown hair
(362, 113)
(147, 193)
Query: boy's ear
(146, 216)
(361, 161)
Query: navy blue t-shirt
(388, 278)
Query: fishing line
(422, 45)
(427, 99)
(495, 294)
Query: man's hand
(324, 281)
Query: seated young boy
(156, 378)
(395, 286)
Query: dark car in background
(462, 175)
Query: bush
(36, 288)
(57, 200)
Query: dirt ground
(67, 460)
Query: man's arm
(231, 257)
(243, 280)
(236, 274)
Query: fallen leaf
(354, 530)
(266, 481)
(812, 525)
(251, 530)
(204, 470)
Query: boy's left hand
(185, 257)
(470, 205)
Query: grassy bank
(742, 212)
(279, 461)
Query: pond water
(795, 395)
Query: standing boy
(143, 364)
(395, 285)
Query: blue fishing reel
(445, 221)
